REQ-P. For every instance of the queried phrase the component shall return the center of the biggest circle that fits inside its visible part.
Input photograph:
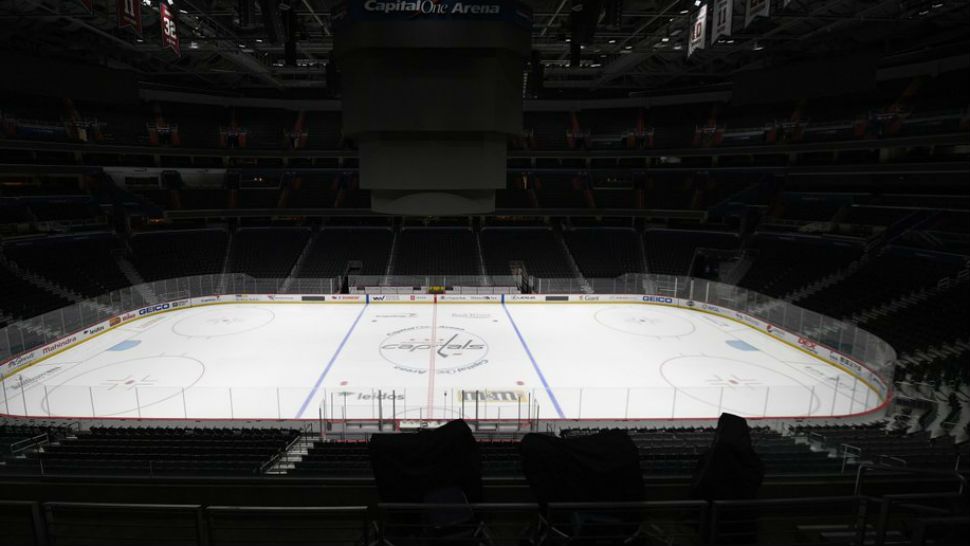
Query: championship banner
(698, 31)
(755, 8)
(170, 35)
(129, 14)
(723, 11)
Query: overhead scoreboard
(431, 91)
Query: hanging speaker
(247, 13)
(289, 26)
(332, 77)
(537, 74)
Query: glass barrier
(35, 332)
(414, 403)
(827, 337)
(457, 284)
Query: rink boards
(525, 345)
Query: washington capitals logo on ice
(452, 349)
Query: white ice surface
(606, 361)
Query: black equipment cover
(407, 467)
(730, 469)
(601, 467)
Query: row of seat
(145, 450)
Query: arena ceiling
(631, 46)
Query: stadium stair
(292, 455)
(941, 350)
(390, 257)
(482, 270)
(911, 299)
(134, 277)
(54, 288)
(642, 253)
(225, 263)
(825, 282)
(917, 416)
(942, 413)
(298, 264)
(739, 269)
(573, 267)
(39, 281)
(960, 429)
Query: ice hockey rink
(434, 361)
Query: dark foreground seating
(157, 451)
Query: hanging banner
(88, 5)
(170, 35)
(723, 11)
(698, 31)
(129, 14)
(755, 8)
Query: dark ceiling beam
(552, 18)
(620, 66)
(228, 49)
(748, 43)
(85, 24)
(313, 14)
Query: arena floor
(566, 360)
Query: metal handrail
(23, 445)
(281, 453)
(893, 458)
(886, 501)
(847, 451)
(867, 466)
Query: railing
(283, 455)
(897, 512)
(26, 444)
(868, 467)
(812, 520)
(850, 520)
(117, 523)
(850, 453)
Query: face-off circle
(736, 386)
(223, 322)
(452, 349)
(113, 386)
(640, 320)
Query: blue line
(555, 403)
(330, 364)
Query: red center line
(432, 351)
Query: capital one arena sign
(410, 10)
(431, 7)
